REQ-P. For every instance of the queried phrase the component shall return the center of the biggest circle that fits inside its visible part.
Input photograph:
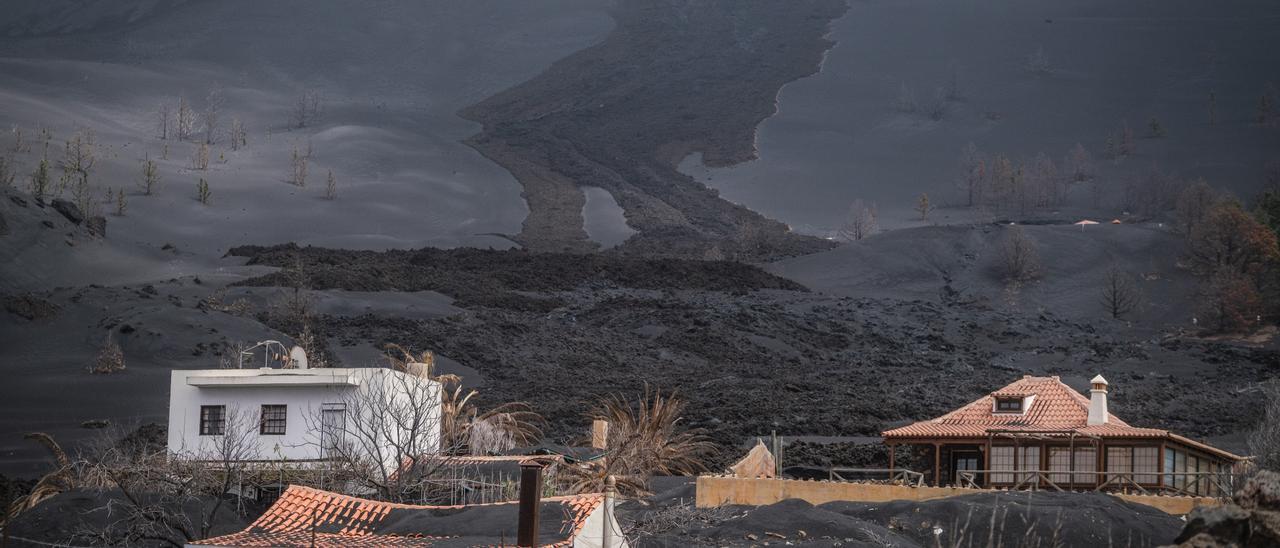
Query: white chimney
(1098, 401)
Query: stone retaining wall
(720, 490)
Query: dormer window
(1008, 405)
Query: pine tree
(40, 181)
(150, 177)
(923, 207)
(1157, 130)
(120, 202)
(202, 191)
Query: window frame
(267, 424)
(208, 420)
(1009, 405)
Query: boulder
(68, 210)
(1251, 519)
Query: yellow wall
(718, 490)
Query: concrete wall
(301, 440)
(719, 490)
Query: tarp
(758, 463)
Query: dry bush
(150, 177)
(60, 479)
(1229, 302)
(167, 499)
(6, 174)
(110, 358)
(1193, 204)
(331, 187)
(1228, 237)
(200, 160)
(1264, 442)
(1018, 261)
(307, 109)
(645, 439)
(298, 167)
(860, 223)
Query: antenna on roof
(267, 354)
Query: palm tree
(645, 439)
(464, 429)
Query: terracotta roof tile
(310, 517)
(1055, 408)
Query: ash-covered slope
(672, 78)
(962, 264)
(761, 355)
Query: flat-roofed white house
(303, 415)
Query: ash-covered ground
(752, 352)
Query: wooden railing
(895, 475)
(1223, 483)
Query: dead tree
(386, 436)
(1018, 260)
(307, 108)
(331, 187)
(1192, 204)
(860, 222)
(973, 171)
(298, 167)
(1264, 442)
(239, 135)
(163, 113)
(212, 114)
(186, 121)
(1080, 164)
(171, 498)
(150, 177)
(1120, 293)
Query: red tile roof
(310, 517)
(1055, 409)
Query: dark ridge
(497, 278)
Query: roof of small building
(1053, 408)
(310, 517)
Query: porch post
(1071, 450)
(893, 448)
(937, 464)
(986, 463)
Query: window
(213, 420)
(333, 424)
(1002, 458)
(1059, 461)
(1120, 461)
(1008, 405)
(1087, 464)
(1031, 463)
(1146, 459)
(273, 420)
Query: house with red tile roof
(1037, 432)
(306, 517)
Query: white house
(302, 415)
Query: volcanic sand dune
(837, 136)
(961, 264)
